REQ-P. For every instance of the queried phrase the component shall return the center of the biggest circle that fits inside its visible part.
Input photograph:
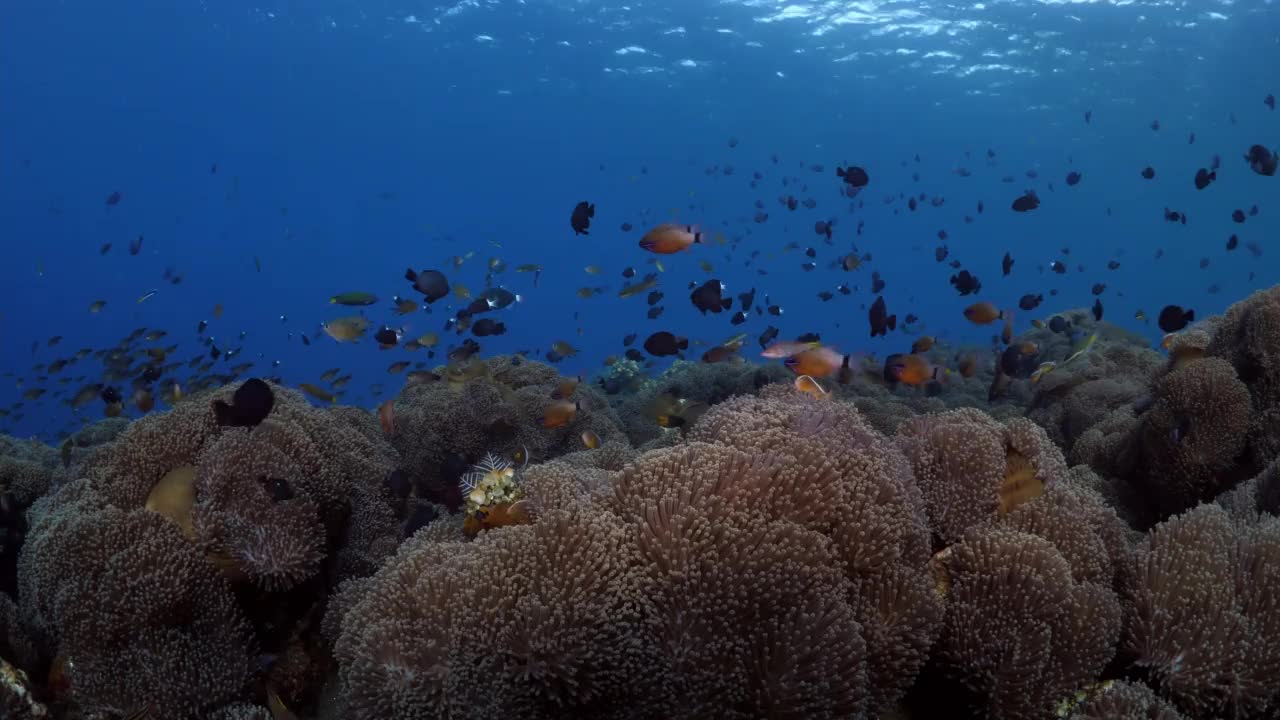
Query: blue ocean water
(354, 140)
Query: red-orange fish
(559, 413)
(670, 238)
(983, 313)
(816, 362)
(910, 369)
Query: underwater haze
(273, 155)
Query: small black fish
(966, 283)
(626, 341)
(1073, 178)
(431, 283)
(707, 297)
(114, 198)
(1058, 267)
(250, 405)
(654, 312)
(1030, 301)
(881, 321)
(1233, 242)
(1113, 265)
(1269, 101)
(1097, 308)
(1262, 160)
(941, 253)
(1006, 264)
(1026, 202)
(1173, 318)
(663, 343)
(486, 327)
(1099, 288)
(768, 336)
(1059, 324)
(1237, 215)
(1149, 173)
(1204, 177)
(386, 336)
(854, 176)
(580, 220)
(135, 246)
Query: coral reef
(1203, 625)
(501, 541)
(762, 568)
(443, 428)
(178, 553)
(972, 469)
(1208, 423)
(1119, 699)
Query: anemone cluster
(1104, 543)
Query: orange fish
(565, 388)
(495, 516)
(787, 348)
(1029, 348)
(670, 238)
(815, 362)
(983, 313)
(387, 416)
(968, 365)
(922, 345)
(910, 369)
(590, 440)
(809, 386)
(559, 413)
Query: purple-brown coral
(972, 469)
(443, 427)
(111, 589)
(778, 570)
(1247, 336)
(1192, 437)
(177, 514)
(1022, 633)
(1203, 623)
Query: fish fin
(223, 413)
